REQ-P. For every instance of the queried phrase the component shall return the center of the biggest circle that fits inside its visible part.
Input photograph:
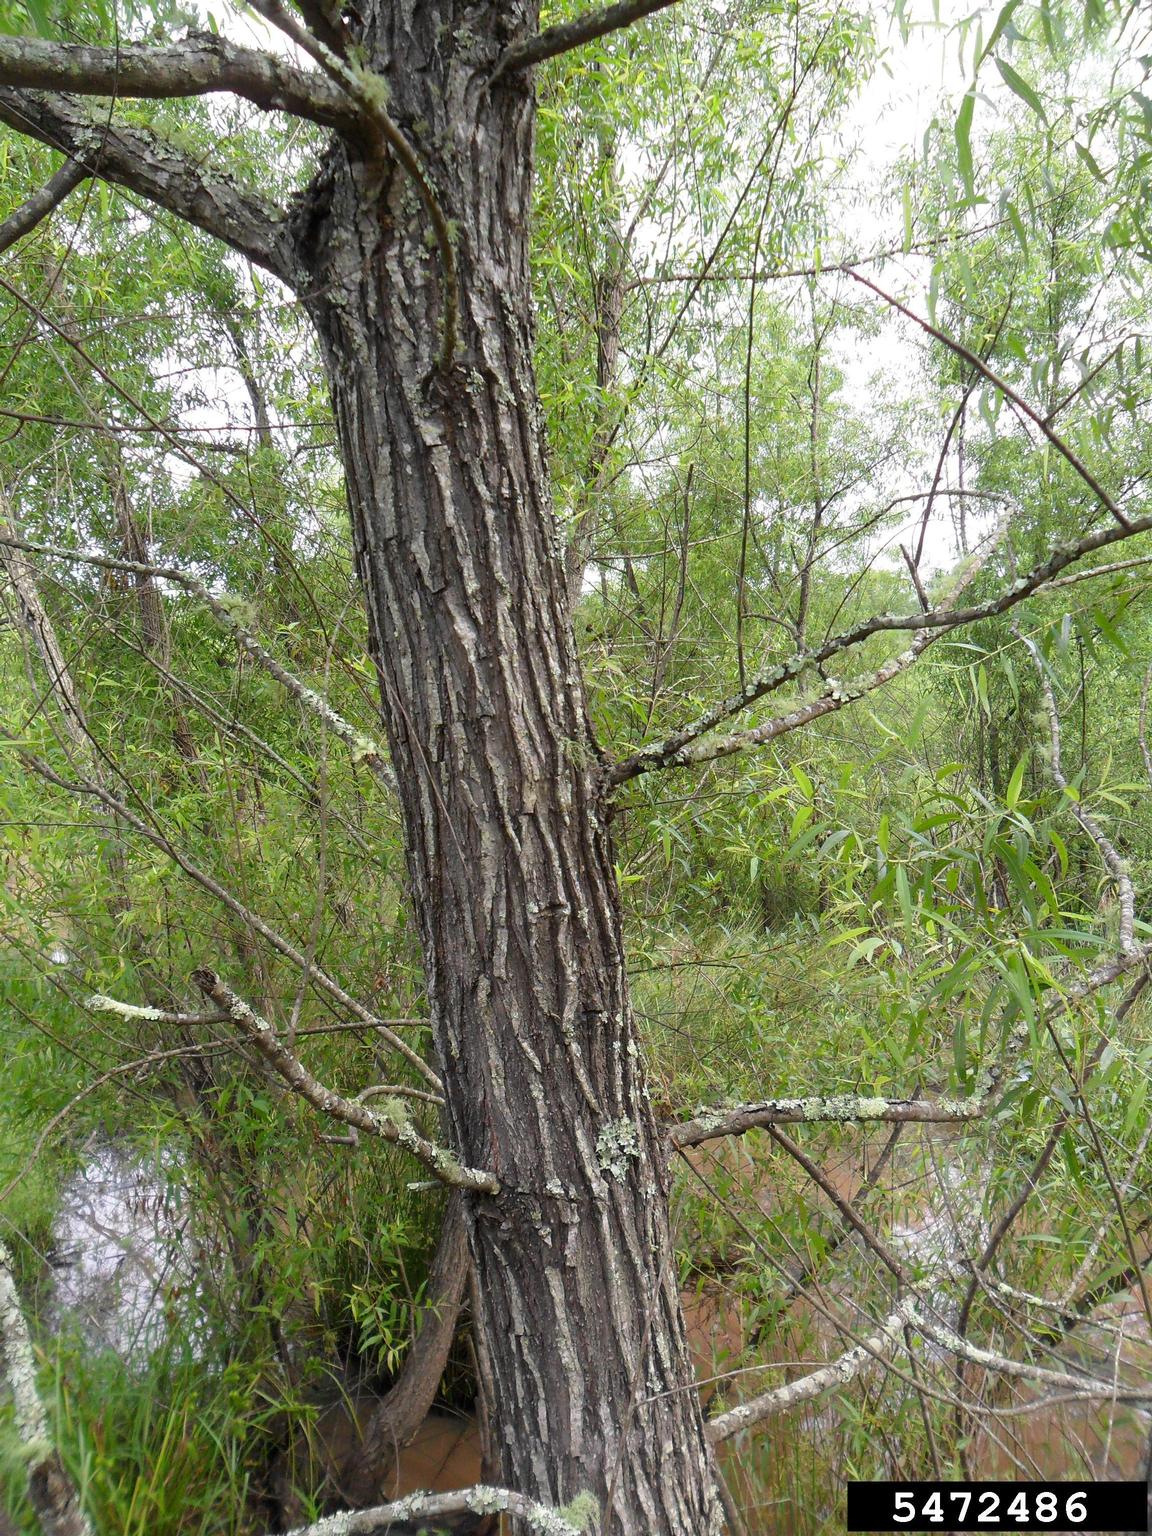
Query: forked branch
(911, 1314)
(673, 751)
(1042, 423)
(837, 1373)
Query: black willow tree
(409, 250)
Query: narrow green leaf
(997, 32)
(963, 132)
(1017, 227)
(1012, 793)
(1020, 87)
(1089, 160)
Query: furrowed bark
(501, 789)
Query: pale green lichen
(373, 87)
(240, 611)
(364, 749)
(101, 1004)
(583, 1511)
(395, 1110)
(617, 1142)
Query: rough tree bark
(503, 798)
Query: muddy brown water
(789, 1479)
(924, 1212)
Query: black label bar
(1083, 1506)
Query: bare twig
(364, 749)
(870, 1238)
(251, 919)
(977, 362)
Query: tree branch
(837, 1373)
(25, 218)
(51, 1491)
(322, 18)
(101, 1004)
(418, 1507)
(362, 87)
(144, 163)
(394, 1126)
(363, 748)
(1121, 879)
(710, 1123)
(670, 753)
(200, 63)
(251, 919)
(395, 1420)
(574, 34)
(909, 1314)
(1000, 384)
(838, 693)
(838, 1109)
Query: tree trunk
(505, 814)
